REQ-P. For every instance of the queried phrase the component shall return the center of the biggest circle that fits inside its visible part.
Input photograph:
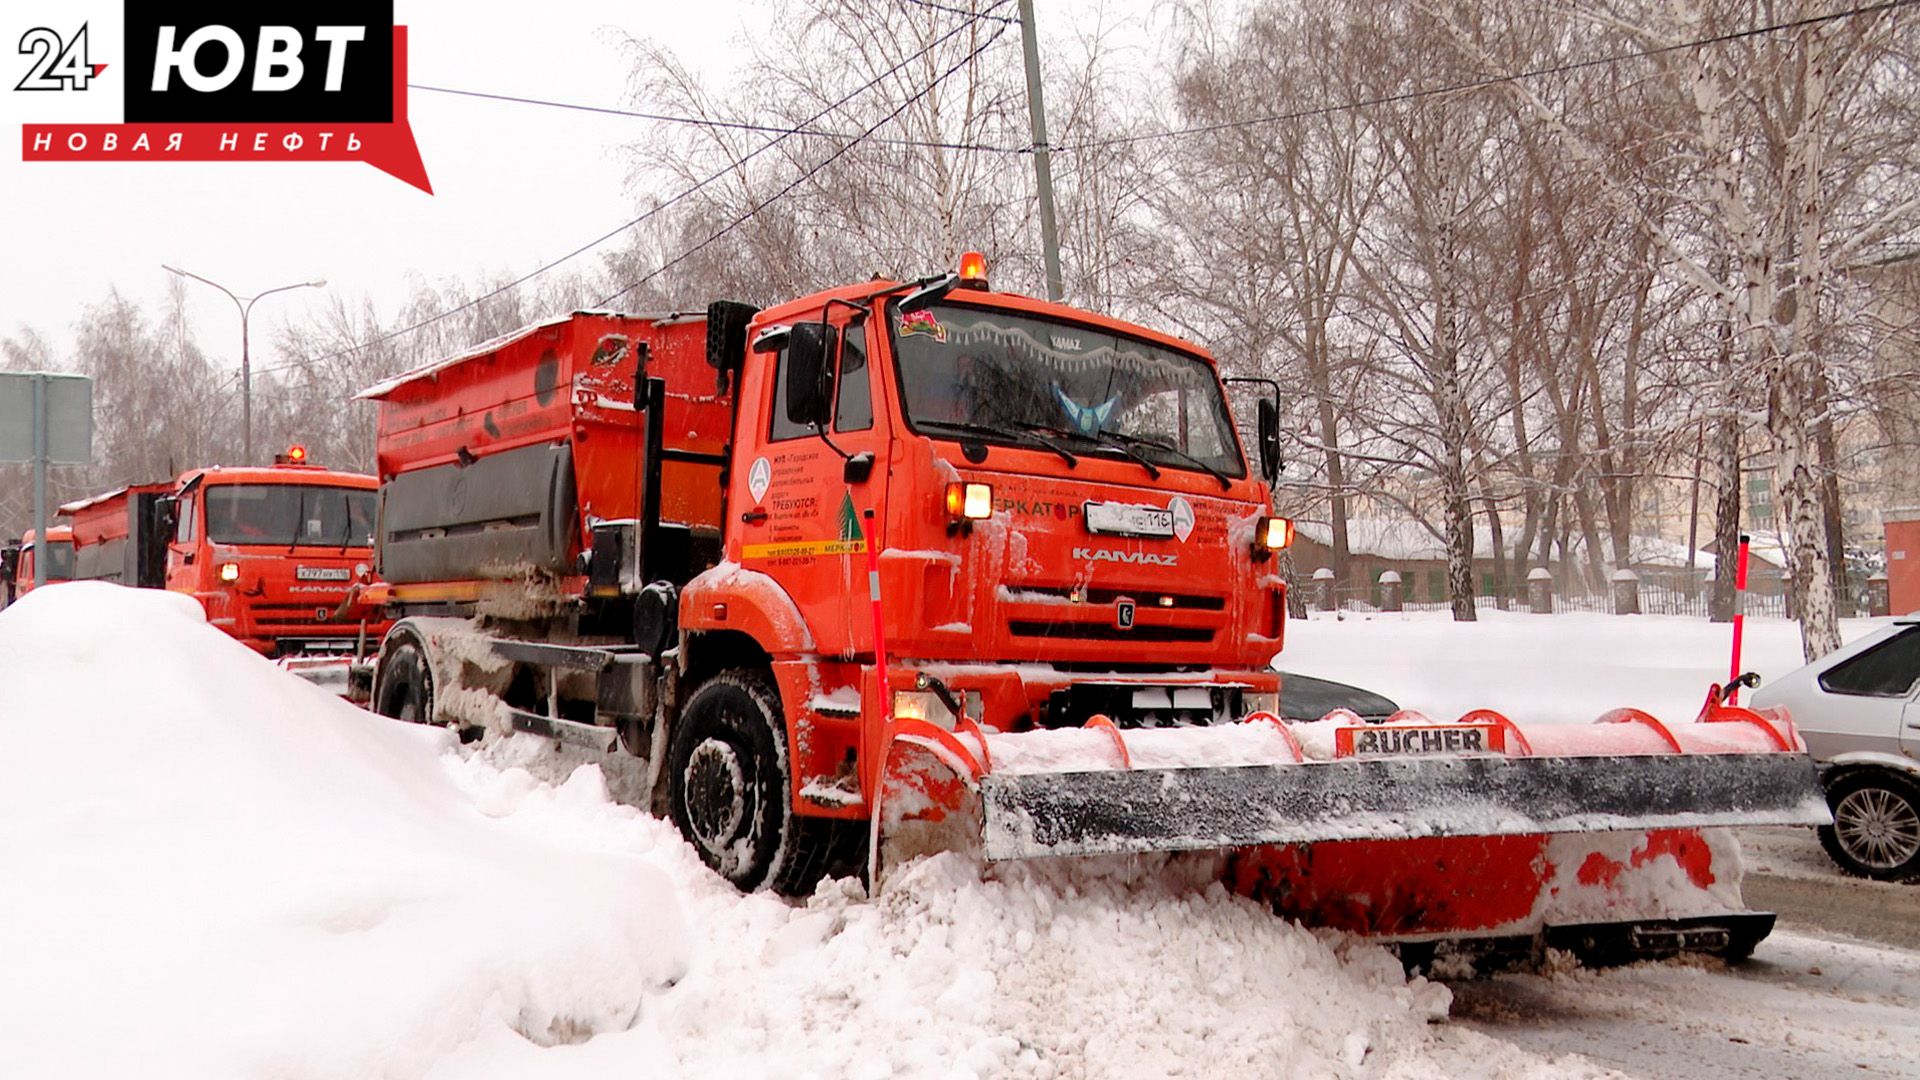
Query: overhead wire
(658, 208)
(725, 125)
(1485, 81)
(804, 177)
(951, 10)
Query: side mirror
(810, 351)
(166, 510)
(9, 561)
(1269, 423)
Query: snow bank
(215, 869)
(1568, 668)
(1125, 967)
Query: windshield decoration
(922, 322)
(1073, 389)
(1086, 419)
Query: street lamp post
(245, 304)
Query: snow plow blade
(1027, 815)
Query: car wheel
(1876, 825)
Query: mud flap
(1144, 810)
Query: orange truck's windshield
(307, 515)
(988, 372)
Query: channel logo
(227, 81)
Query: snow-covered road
(1805, 1006)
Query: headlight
(1253, 701)
(922, 705)
(1273, 534)
(229, 572)
(972, 502)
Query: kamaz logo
(1138, 558)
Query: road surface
(1834, 992)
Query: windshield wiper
(346, 533)
(1203, 466)
(1026, 434)
(1111, 441)
(299, 517)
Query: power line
(1490, 80)
(803, 177)
(962, 11)
(660, 207)
(730, 125)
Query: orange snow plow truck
(17, 562)
(920, 562)
(277, 555)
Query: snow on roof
(382, 389)
(1649, 551)
(94, 500)
(1390, 538)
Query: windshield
(304, 514)
(59, 560)
(1099, 391)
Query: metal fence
(1653, 601)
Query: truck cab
(20, 557)
(1059, 510)
(276, 554)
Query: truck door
(802, 521)
(182, 575)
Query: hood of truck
(1063, 571)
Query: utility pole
(1042, 156)
(41, 548)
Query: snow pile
(215, 869)
(1568, 668)
(1118, 968)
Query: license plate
(1127, 519)
(1415, 740)
(322, 573)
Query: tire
(403, 689)
(730, 794)
(1876, 825)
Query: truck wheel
(729, 793)
(1876, 825)
(404, 687)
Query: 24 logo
(57, 64)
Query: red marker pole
(1739, 617)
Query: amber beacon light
(973, 270)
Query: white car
(1860, 714)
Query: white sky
(514, 185)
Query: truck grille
(1146, 597)
(1079, 631)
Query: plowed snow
(213, 869)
